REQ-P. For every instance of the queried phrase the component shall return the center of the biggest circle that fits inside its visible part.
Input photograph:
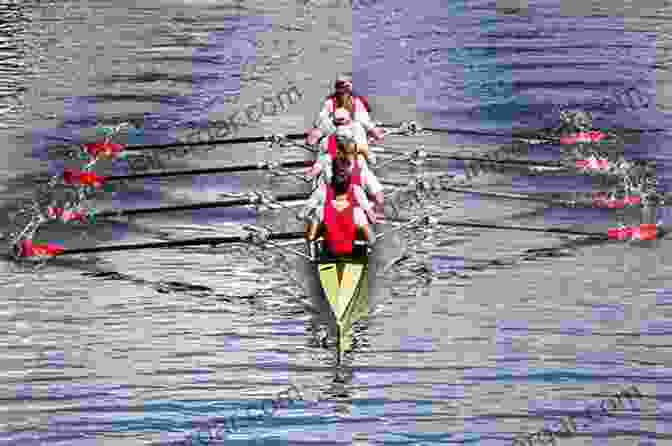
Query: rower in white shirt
(344, 141)
(357, 107)
(366, 184)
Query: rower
(343, 97)
(313, 211)
(343, 145)
(343, 220)
(344, 125)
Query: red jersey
(341, 229)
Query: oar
(212, 170)
(413, 127)
(649, 231)
(424, 154)
(203, 205)
(86, 178)
(520, 228)
(211, 241)
(520, 135)
(595, 202)
(245, 140)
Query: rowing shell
(345, 286)
(344, 283)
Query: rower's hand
(313, 136)
(314, 170)
(376, 135)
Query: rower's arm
(323, 121)
(362, 116)
(314, 231)
(363, 149)
(362, 224)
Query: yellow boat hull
(346, 288)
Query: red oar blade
(641, 232)
(79, 178)
(106, 149)
(28, 249)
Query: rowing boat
(344, 283)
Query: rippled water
(474, 336)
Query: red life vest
(340, 227)
(331, 146)
(341, 230)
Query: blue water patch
(555, 183)
(448, 392)
(149, 195)
(527, 374)
(608, 312)
(55, 359)
(576, 327)
(288, 328)
(230, 344)
(656, 328)
(664, 297)
(415, 344)
(200, 376)
(600, 359)
(664, 214)
(216, 183)
(578, 216)
(241, 215)
(447, 264)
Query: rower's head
(345, 145)
(340, 182)
(343, 93)
(342, 117)
(343, 85)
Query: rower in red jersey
(344, 221)
(357, 106)
(367, 187)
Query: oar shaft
(214, 170)
(245, 140)
(457, 131)
(212, 241)
(434, 155)
(196, 206)
(520, 228)
(464, 190)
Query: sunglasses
(342, 87)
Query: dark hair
(341, 178)
(344, 102)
